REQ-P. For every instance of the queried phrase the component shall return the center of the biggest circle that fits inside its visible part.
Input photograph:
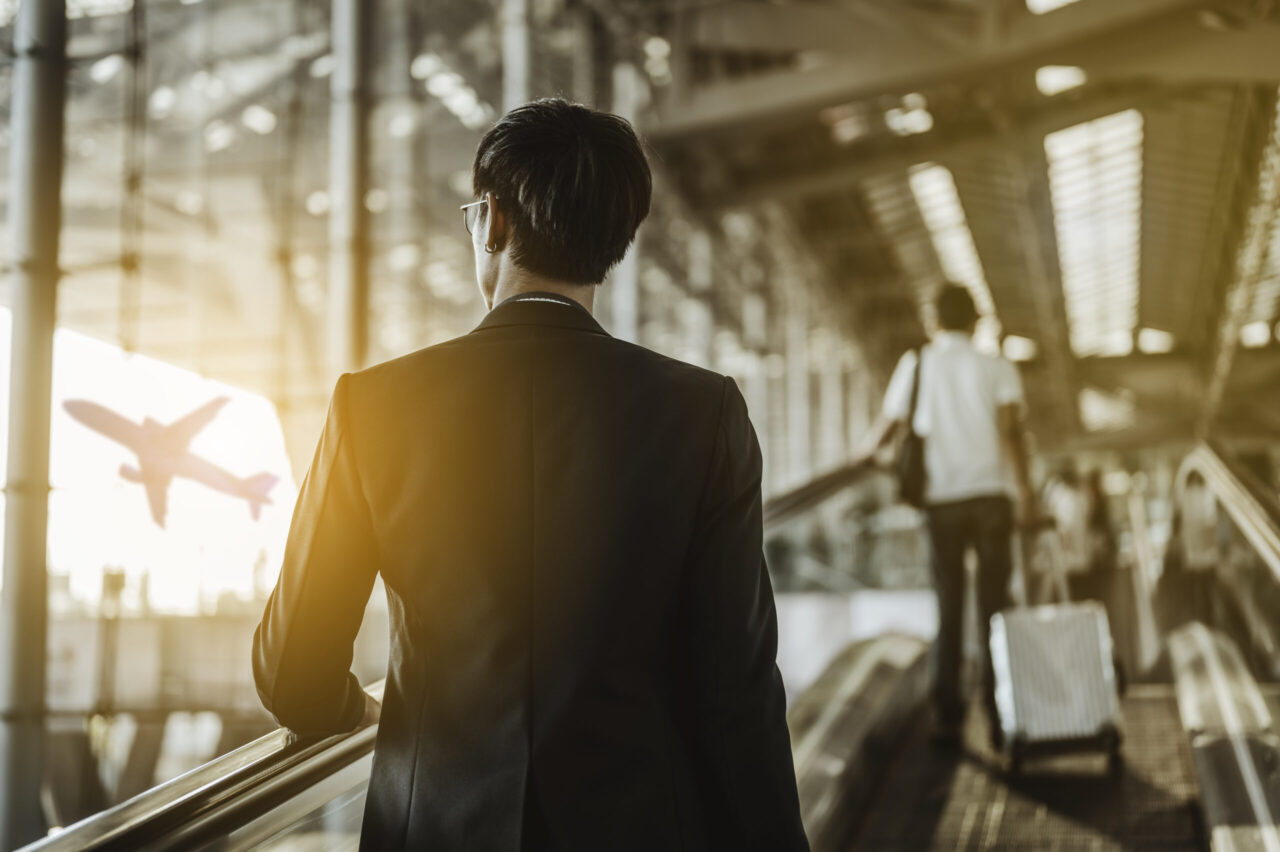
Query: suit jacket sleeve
(743, 742)
(302, 649)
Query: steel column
(35, 220)
(517, 54)
(348, 330)
(624, 283)
(799, 435)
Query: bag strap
(915, 391)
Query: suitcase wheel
(1017, 756)
(1115, 753)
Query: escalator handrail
(1268, 500)
(1252, 510)
(797, 501)
(218, 796)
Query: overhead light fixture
(218, 136)
(259, 119)
(1052, 79)
(401, 124)
(1153, 341)
(849, 129)
(911, 118)
(1255, 335)
(1104, 412)
(318, 203)
(376, 200)
(190, 203)
(106, 68)
(657, 47)
(403, 257)
(443, 83)
(1017, 348)
(162, 101)
(1040, 7)
(424, 65)
(1095, 181)
(322, 66)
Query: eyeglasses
(471, 213)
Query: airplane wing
(181, 432)
(157, 496)
(106, 422)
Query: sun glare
(210, 548)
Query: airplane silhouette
(162, 454)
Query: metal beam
(1028, 175)
(897, 66)
(832, 177)
(517, 54)
(348, 319)
(35, 190)
(1260, 226)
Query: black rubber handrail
(786, 506)
(217, 797)
(1254, 510)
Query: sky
(210, 544)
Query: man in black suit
(583, 636)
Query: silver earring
(490, 248)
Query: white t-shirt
(960, 391)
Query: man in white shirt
(969, 412)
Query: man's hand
(372, 711)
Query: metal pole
(624, 283)
(35, 219)
(799, 438)
(348, 177)
(517, 54)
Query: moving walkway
(1201, 759)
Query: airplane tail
(256, 489)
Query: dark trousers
(985, 524)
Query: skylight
(1039, 7)
(1095, 179)
(935, 193)
(1052, 79)
(1105, 412)
(1153, 341)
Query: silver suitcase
(1055, 679)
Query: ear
(499, 224)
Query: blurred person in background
(1067, 503)
(1200, 554)
(969, 411)
(1085, 534)
(583, 648)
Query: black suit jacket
(583, 636)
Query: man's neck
(514, 281)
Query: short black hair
(575, 183)
(956, 311)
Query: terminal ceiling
(1102, 173)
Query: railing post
(348, 178)
(35, 220)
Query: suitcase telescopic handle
(1044, 530)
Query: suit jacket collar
(541, 309)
